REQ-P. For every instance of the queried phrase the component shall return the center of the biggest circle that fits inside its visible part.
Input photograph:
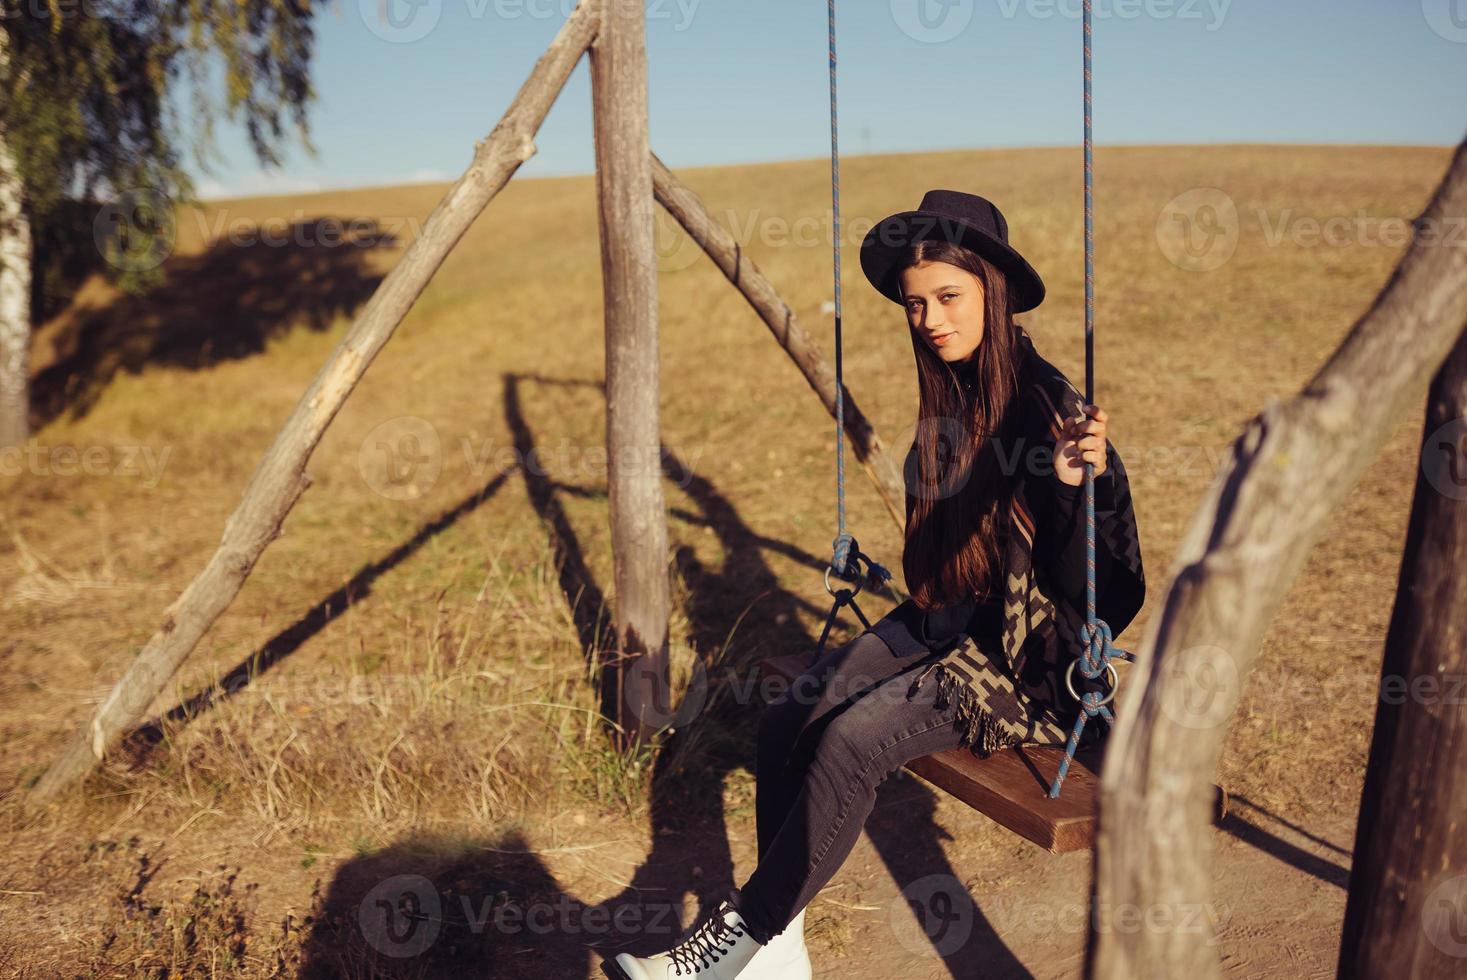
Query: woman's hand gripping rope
(1081, 451)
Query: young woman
(995, 563)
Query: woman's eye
(948, 296)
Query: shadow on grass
(426, 908)
(224, 304)
(138, 745)
(1291, 854)
(407, 912)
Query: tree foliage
(90, 98)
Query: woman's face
(945, 306)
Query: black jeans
(824, 746)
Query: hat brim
(889, 238)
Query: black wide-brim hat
(972, 221)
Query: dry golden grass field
(420, 701)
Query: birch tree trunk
(15, 291)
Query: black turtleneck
(967, 374)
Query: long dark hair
(955, 532)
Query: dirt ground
(411, 703)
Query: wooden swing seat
(1009, 787)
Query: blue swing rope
(846, 555)
(1095, 634)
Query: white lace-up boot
(785, 958)
(718, 948)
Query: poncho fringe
(978, 729)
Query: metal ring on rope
(1115, 682)
(854, 593)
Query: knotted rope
(1095, 634)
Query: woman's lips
(942, 339)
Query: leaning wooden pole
(1408, 882)
(280, 477)
(688, 210)
(636, 681)
(1291, 467)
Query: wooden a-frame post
(1407, 906)
(635, 683)
(629, 179)
(280, 477)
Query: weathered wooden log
(1291, 467)
(280, 477)
(636, 682)
(1408, 883)
(693, 216)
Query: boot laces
(704, 945)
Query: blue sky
(735, 81)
